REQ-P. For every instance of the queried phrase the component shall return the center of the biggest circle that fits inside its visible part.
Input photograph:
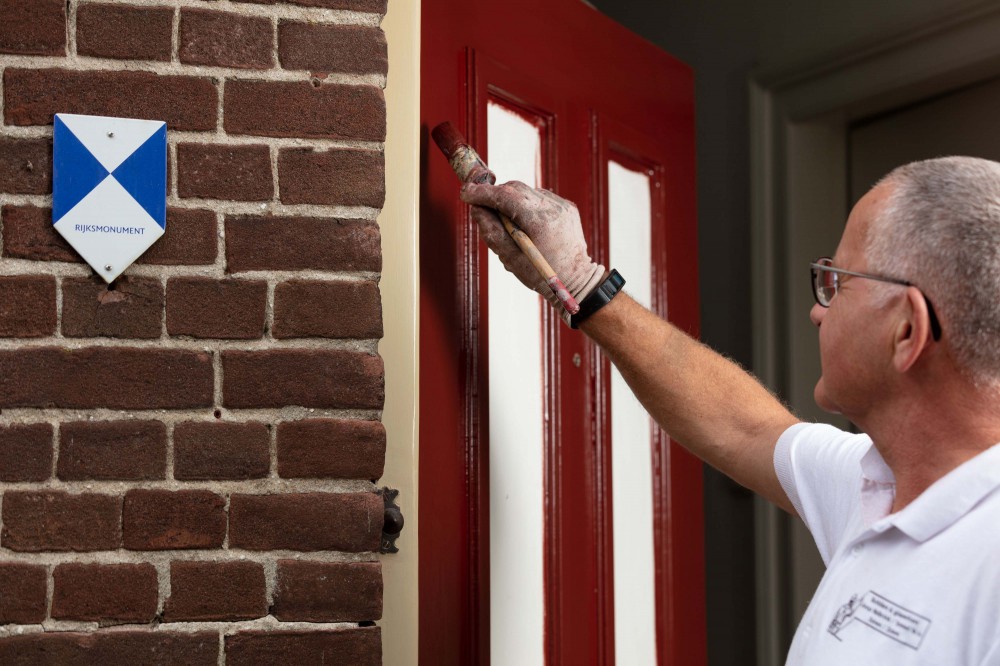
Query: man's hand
(552, 223)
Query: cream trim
(401, 345)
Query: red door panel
(595, 91)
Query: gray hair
(940, 229)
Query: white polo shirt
(921, 586)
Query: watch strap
(598, 298)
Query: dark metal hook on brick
(392, 521)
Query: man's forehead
(859, 223)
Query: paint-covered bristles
(448, 138)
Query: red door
(517, 559)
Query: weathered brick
(166, 520)
(25, 165)
(136, 33)
(37, 27)
(331, 448)
(357, 647)
(52, 520)
(28, 234)
(27, 306)
(226, 40)
(34, 96)
(190, 239)
(104, 592)
(210, 308)
(221, 451)
(25, 452)
(220, 591)
(300, 243)
(353, 49)
(302, 110)
(303, 377)
(117, 378)
(23, 590)
(339, 176)
(328, 591)
(238, 173)
(111, 648)
(129, 450)
(349, 522)
(327, 310)
(374, 6)
(132, 308)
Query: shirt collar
(950, 497)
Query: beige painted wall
(400, 346)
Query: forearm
(705, 402)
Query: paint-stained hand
(552, 223)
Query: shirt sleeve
(819, 468)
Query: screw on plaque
(392, 523)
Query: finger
(512, 199)
(480, 194)
(491, 230)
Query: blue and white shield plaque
(109, 188)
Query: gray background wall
(725, 41)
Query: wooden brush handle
(541, 265)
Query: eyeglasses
(826, 282)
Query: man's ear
(913, 331)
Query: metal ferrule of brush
(470, 167)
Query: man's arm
(704, 401)
(707, 403)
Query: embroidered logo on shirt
(884, 616)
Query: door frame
(800, 118)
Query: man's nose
(817, 313)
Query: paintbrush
(471, 169)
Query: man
(907, 516)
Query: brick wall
(188, 458)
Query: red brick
(226, 40)
(334, 177)
(303, 377)
(28, 234)
(135, 33)
(35, 27)
(331, 448)
(357, 647)
(25, 452)
(111, 648)
(349, 522)
(352, 49)
(302, 110)
(132, 308)
(220, 591)
(300, 243)
(58, 521)
(104, 592)
(328, 591)
(238, 173)
(373, 6)
(165, 520)
(130, 450)
(33, 96)
(27, 306)
(190, 239)
(25, 165)
(23, 590)
(212, 451)
(327, 310)
(113, 377)
(210, 308)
